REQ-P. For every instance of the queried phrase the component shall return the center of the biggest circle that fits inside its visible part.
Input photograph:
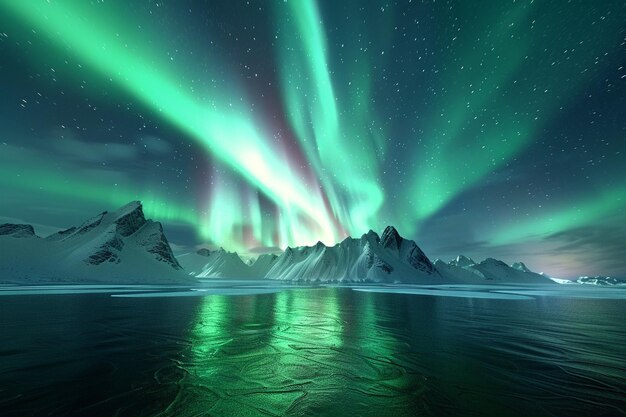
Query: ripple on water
(331, 351)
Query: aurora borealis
(488, 128)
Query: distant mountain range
(123, 247)
(388, 259)
(465, 270)
(120, 246)
(599, 280)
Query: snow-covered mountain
(214, 264)
(600, 280)
(462, 261)
(490, 271)
(520, 266)
(205, 263)
(112, 247)
(123, 247)
(261, 265)
(388, 258)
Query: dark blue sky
(488, 128)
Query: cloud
(80, 150)
(461, 247)
(446, 237)
(603, 246)
(155, 144)
(41, 230)
(265, 249)
(68, 147)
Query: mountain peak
(133, 206)
(389, 258)
(520, 266)
(347, 241)
(203, 252)
(129, 218)
(391, 238)
(17, 230)
(116, 245)
(462, 261)
(493, 261)
(371, 236)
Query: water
(258, 349)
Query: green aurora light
(493, 96)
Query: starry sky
(489, 128)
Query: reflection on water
(292, 353)
(313, 351)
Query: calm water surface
(311, 351)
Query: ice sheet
(446, 293)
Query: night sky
(489, 128)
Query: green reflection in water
(297, 352)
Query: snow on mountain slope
(261, 266)
(17, 230)
(497, 271)
(520, 266)
(223, 264)
(388, 258)
(459, 274)
(112, 247)
(600, 280)
(462, 261)
(205, 263)
(317, 262)
(194, 262)
(466, 271)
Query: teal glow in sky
(489, 129)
